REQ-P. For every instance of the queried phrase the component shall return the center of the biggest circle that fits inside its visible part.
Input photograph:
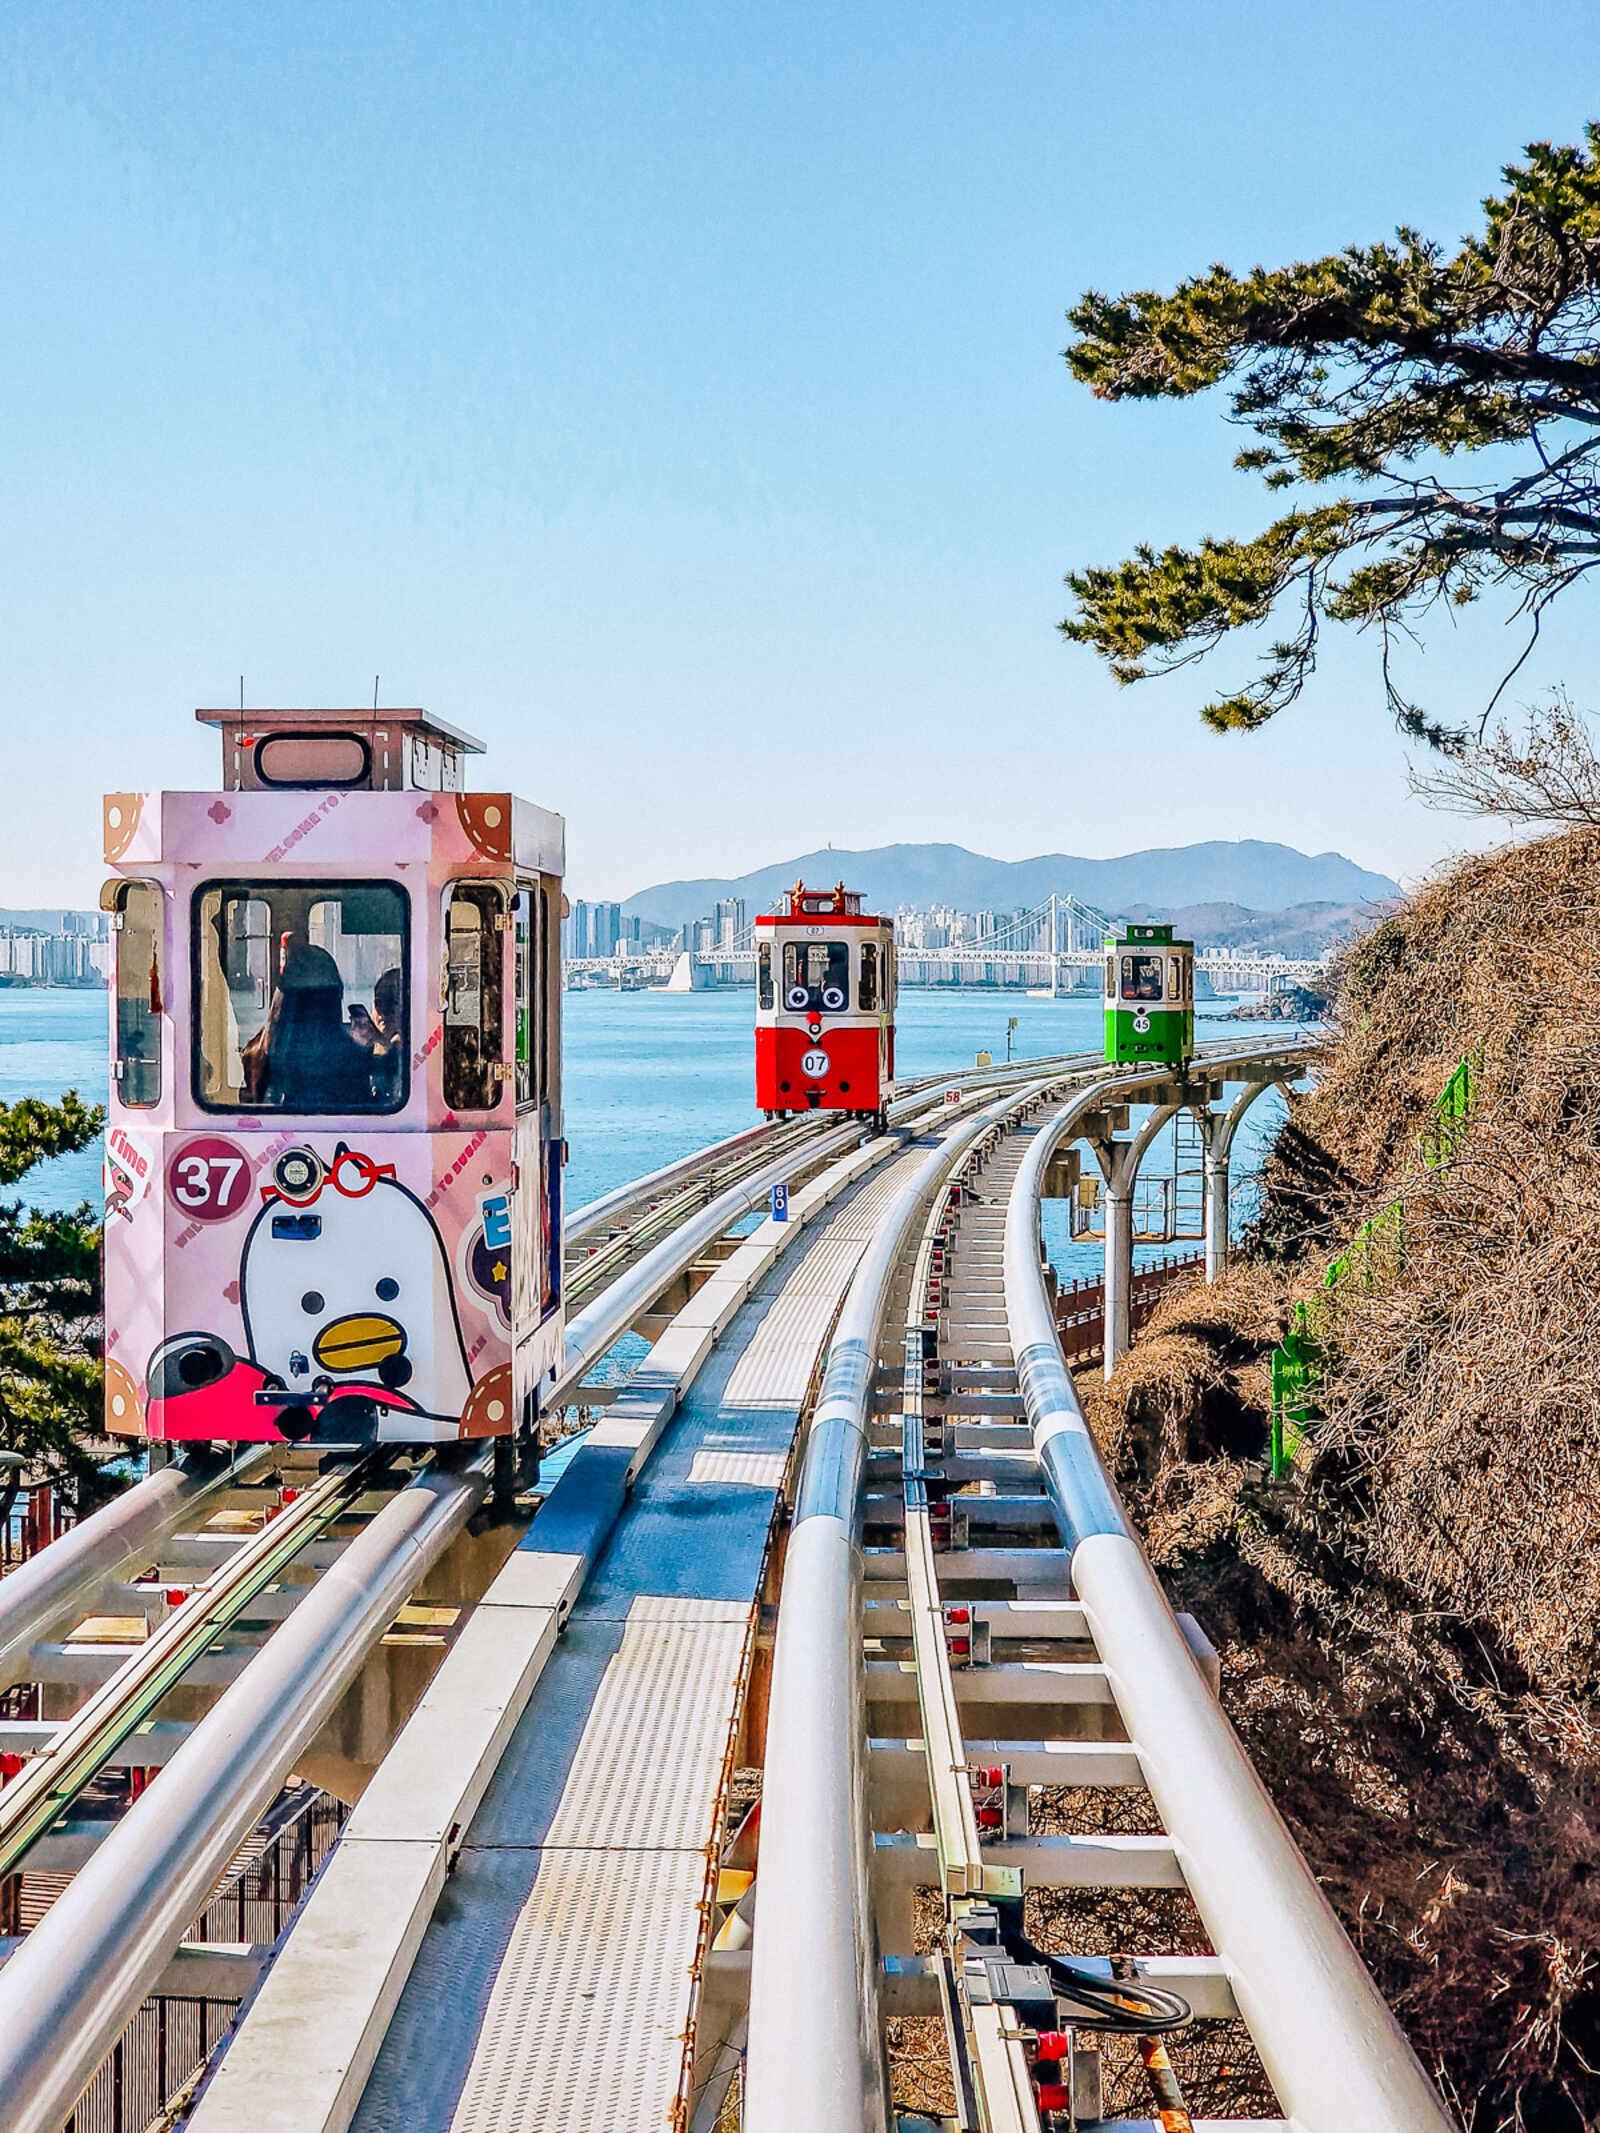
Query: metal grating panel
(585, 2023)
(748, 1470)
(649, 1766)
(775, 1370)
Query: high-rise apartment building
(728, 921)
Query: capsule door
(536, 1078)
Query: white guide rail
(1334, 2053)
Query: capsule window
(869, 991)
(317, 762)
(474, 1044)
(816, 977)
(1141, 977)
(301, 996)
(137, 923)
(764, 994)
(1175, 977)
(550, 991)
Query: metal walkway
(556, 1984)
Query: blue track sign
(780, 1203)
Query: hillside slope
(1412, 1627)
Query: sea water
(649, 1076)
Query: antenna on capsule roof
(241, 692)
(375, 680)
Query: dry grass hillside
(1412, 1628)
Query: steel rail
(597, 1213)
(996, 2065)
(1215, 1051)
(1331, 2048)
(101, 1548)
(814, 2046)
(815, 2056)
(665, 1191)
(761, 1140)
(52, 1779)
(70, 1988)
(323, 2088)
(599, 1325)
(955, 1825)
(663, 1215)
(664, 1195)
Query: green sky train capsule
(1149, 997)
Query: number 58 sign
(209, 1179)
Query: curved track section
(540, 1913)
(1010, 1616)
(1333, 2051)
(814, 1974)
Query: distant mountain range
(1301, 930)
(1263, 879)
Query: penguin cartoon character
(345, 1290)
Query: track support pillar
(1218, 1191)
(1118, 1272)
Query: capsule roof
(349, 750)
(1157, 936)
(803, 906)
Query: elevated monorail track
(551, 1907)
(967, 1603)
(208, 1772)
(569, 1766)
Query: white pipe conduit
(1331, 2048)
(815, 2052)
(119, 1537)
(73, 1984)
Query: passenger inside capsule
(304, 1058)
(383, 1032)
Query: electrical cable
(1116, 2006)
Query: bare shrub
(1411, 1634)
(1548, 773)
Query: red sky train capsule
(825, 986)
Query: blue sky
(672, 395)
